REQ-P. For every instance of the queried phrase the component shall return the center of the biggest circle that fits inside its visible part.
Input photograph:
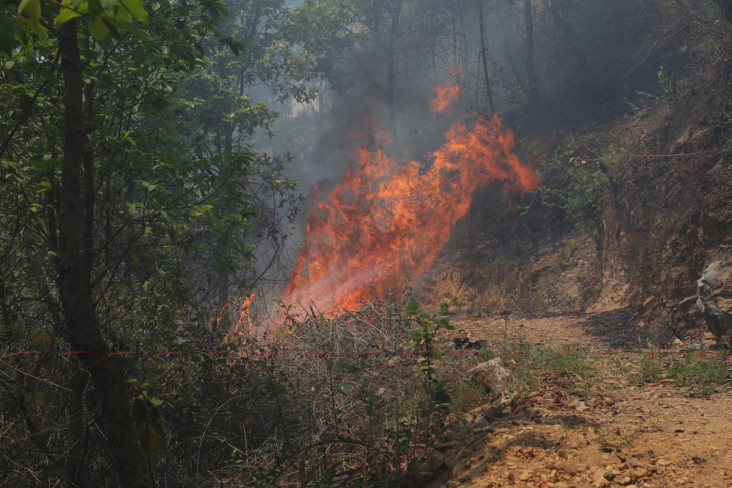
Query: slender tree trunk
(726, 6)
(570, 38)
(391, 60)
(74, 279)
(532, 83)
(484, 58)
(76, 429)
(224, 243)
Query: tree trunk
(74, 282)
(569, 37)
(484, 58)
(390, 63)
(726, 6)
(532, 83)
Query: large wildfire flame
(388, 218)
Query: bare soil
(606, 429)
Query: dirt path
(607, 428)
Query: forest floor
(601, 409)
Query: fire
(388, 218)
(244, 324)
(446, 95)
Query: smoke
(375, 84)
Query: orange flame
(244, 324)
(446, 96)
(386, 219)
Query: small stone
(625, 480)
(663, 462)
(494, 376)
(562, 453)
(599, 480)
(525, 475)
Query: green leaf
(135, 8)
(23, 5)
(98, 27)
(8, 30)
(65, 15)
(32, 8)
(110, 5)
(155, 401)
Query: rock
(714, 291)
(436, 460)
(649, 301)
(453, 456)
(525, 475)
(479, 422)
(458, 467)
(567, 468)
(687, 302)
(424, 474)
(599, 480)
(494, 376)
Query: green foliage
(651, 367)
(426, 328)
(699, 374)
(148, 424)
(172, 201)
(580, 183)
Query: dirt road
(615, 413)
